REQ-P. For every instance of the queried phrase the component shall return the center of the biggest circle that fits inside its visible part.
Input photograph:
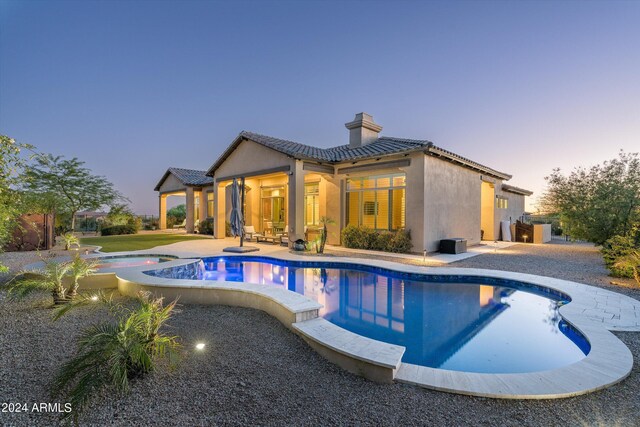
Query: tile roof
(189, 177)
(380, 147)
(383, 146)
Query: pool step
(372, 359)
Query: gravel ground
(255, 371)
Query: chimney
(362, 130)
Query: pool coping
(608, 362)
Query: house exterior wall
(452, 200)
(249, 156)
(514, 211)
(443, 199)
(171, 184)
(415, 201)
(414, 194)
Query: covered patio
(282, 194)
(195, 186)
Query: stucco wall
(414, 193)
(171, 184)
(452, 203)
(250, 157)
(513, 212)
(415, 201)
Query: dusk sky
(135, 87)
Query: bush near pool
(119, 229)
(358, 237)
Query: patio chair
(250, 232)
(183, 224)
(284, 237)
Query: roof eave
(226, 153)
(516, 190)
(470, 164)
(378, 156)
(164, 177)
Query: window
(272, 209)
(312, 203)
(210, 204)
(502, 202)
(377, 202)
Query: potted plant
(299, 245)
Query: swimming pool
(120, 261)
(460, 323)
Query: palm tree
(324, 220)
(632, 261)
(111, 354)
(79, 268)
(70, 239)
(50, 278)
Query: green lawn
(134, 242)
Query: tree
(67, 186)
(598, 203)
(10, 166)
(179, 213)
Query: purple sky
(135, 87)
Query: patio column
(190, 209)
(219, 199)
(162, 223)
(203, 205)
(296, 202)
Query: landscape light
(94, 298)
(200, 346)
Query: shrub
(206, 226)
(366, 238)
(227, 229)
(401, 242)
(151, 225)
(615, 249)
(121, 215)
(178, 213)
(111, 354)
(50, 278)
(119, 229)
(631, 261)
(69, 240)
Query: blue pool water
(459, 323)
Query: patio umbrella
(236, 210)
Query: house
(381, 182)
